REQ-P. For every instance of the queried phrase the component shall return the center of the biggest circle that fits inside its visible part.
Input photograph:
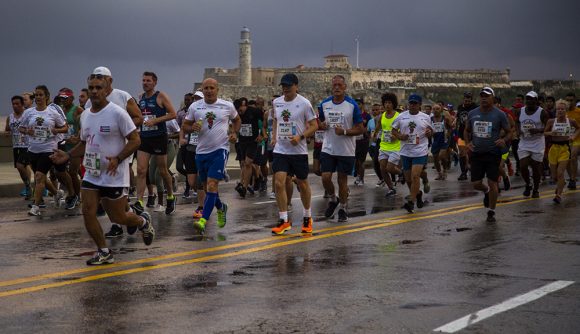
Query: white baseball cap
(198, 94)
(532, 94)
(487, 91)
(102, 70)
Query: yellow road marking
(251, 250)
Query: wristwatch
(302, 137)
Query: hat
(487, 91)
(578, 104)
(65, 92)
(198, 94)
(101, 70)
(449, 106)
(532, 94)
(467, 94)
(415, 98)
(289, 79)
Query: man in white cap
(128, 103)
(485, 139)
(530, 123)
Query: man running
(72, 114)
(294, 120)
(573, 113)
(485, 139)
(210, 118)
(108, 137)
(442, 125)
(413, 128)
(462, 112)
(19, 144)
(341, 118)
(250, 134)
(156, 109)
(530, 123)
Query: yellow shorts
(558, 153)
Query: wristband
(344, 132)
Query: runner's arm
(134, 112)
(165, 103)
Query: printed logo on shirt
(210, 117)
(286, 115)
(39, 121)
(105, 129)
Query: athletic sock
(208, 205)
(307, 212)
(284, 215)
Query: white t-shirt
(42, 122)
(346, 115)
(414, 125)
(59, 136)
(172, 126)
(291, 118)
(215, 120)
(19, 140)
(117, 96)
(105, 135)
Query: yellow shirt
(575, 115)
(388, 143)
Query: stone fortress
(369, 84)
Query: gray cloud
(59, 42)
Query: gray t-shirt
(485, 129)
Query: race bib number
(193, 139)
(246, 130)
(319, 137)
(387, 137)
(561, 129)
(286, 130)
(92, 163)
(18, 140)
(438, 127)
(482, 129)
(335, 119)
(148, 128)
(413, 139)
(41, 134)
(526, 127)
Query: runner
(413, 128)
(442, 125)
(341, 119)
(293, 121)
(83, 97)
(19, 144)
(374, 147)
(185, 160)
(250, 135)
(108, 137)
(28, 100)
(156, 109)
(573, 113)
(210, 118)
(483, 135)
(390, 146)
(560, 130)
(362, 146)
(462, 112)
(173, 130)
(42, 124)
(72, 114)
(530, 123)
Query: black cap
(289, 79)
(468, 94)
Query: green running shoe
(221, 215)
(200, 225)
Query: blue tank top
(150, 109)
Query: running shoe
(222, 215)
(557, 199)
(359, 182)
(114, 232)
(342, 215)
(282, 227)
(272, 195)
(250, 190)
(198, 213)
(186, 193)
(264, 185)
(330, 209)
(462, 177)
(159, 208)
(34, 211)
(527, 191)
(420, 202)
(507, 184)
(426, 187)
(42, 204)
(132, 229)
(100, 258)
(409, 206)
(391, 192)
(71, 202)
(535, 194)
(572, 185)
(381, 183)
(486, 200)
(199, 225)
(147, 229)
(241, 190)
(327, 194)
(307, 225)
(57, 198)
(23, 192)
(137, 208)
(170, 206)
(151, 201)
(491, 216)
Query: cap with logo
(532, 94)
(487, 91)
(102, 70)
(415, 98)
(289, 79)
(65, 93)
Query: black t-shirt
(250, 128)
(462, 112)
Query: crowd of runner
(85, 152)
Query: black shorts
(40, 162)
(361, 149)
(106, 192)
(484, 164)
(188, 157)
(20, 156)
(293, 164)
(316, 153)
(333, 163)
(260, 159)
(154, 145)
(246, 150)
(270, 155)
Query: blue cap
(289, 79)
(415, 98)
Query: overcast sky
(59, 42)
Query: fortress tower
(245, 78)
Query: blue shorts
(439, 145)
(409, 162)
(333, 163)
(211, 165)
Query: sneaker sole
(281, 232)
(110, 261)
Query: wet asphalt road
(384, 271)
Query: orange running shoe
(198, 213)
(307, 225)
(282, 227)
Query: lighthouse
(245, 58)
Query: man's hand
(59, 157)
(500, 142)
(113, 164)
(339, 131)
(233, 137)
(470, 146)
(150, 122)
(295, 140)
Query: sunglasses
(97, 76)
